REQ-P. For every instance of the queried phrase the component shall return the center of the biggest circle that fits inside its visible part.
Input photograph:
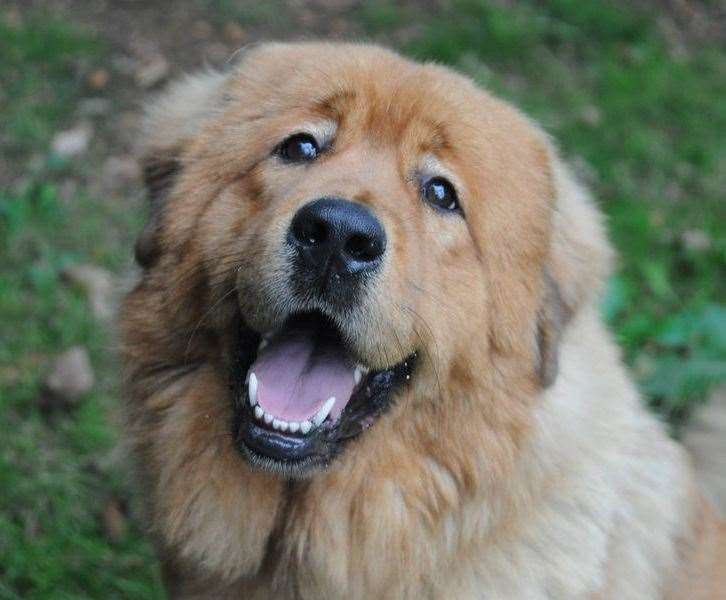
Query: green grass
(39, 79)
(642, 120)
(56, 471)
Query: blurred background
(632, 90)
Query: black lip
(276, 445)
(295, 455)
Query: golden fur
(518, 464)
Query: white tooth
(284, 425)
(267, 417)
(363, 369)
(305, 427)
(276, 423)
(263, 343)
(294, 426)
(259, 412)
(324, 411)
(357, 375)
(252, 388)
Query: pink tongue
(296, 375)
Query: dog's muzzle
(336, 246)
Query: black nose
(336, 238)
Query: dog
(364, 358)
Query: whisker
(431, 337)
(204, 316)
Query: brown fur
(497, 474)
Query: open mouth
(301, 395)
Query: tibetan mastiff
(364, 357)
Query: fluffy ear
(578, 264)
(172, 120)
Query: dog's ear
(172, 120)
(552, 317)
(578, 263)
(159, 174)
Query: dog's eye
(300, 147)
(441, 194)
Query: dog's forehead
(367, 88)
(366, 93)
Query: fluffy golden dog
(364, 359)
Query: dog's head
(337, 228)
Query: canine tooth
(259, 412)
(252, 388)
(323, 413)
(268, 418)
(294, 426)
(276, 423)
(263, 343)
(357, 375)
(284, 425)
(305, 427)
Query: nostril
(363, 247)
(310, 232)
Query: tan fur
(484, 481)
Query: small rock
(113, 520)
(591, 115)
(98, 79)
(70, 377)
(72, 142)
(97, 284)
(695, 239)
(120, 170)
(151, 71)
(234, 33)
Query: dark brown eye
(439, 193)
(300, 147)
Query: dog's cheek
(458, 306)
